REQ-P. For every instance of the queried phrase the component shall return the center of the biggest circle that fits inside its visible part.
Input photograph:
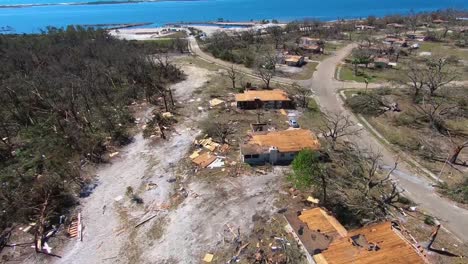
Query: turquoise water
(62, 12)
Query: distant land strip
(109, 2)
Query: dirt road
(417, 186)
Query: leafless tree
(457, 149)
(266, 68)
(371, 175)
(302, 94)
(233, 75)
(438, 74)
(276, 34)
(219, 130)
(337, 125)
(368, 190)
(415, 79)
(434, 109)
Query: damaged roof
(319, 220)
(292, 58)
(262, 95)
(314, 242)
(291, 140)
(376, 244)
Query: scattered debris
(195, 154)
(313, 200)
(31, 225)
(145, 221)
(216, 102)
(224, 148)
(167, 115)
(218, 163)
(150, 186)
(208, 257)
(171, 180)
(113, 154)
(207, 143)
(204, 159)
(75, 228)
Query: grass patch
(192, 60)
(372, 75)
(409, 132)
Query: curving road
(417, 187)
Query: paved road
(417, 186)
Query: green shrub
(429, 220)
(313, 106)
(307, 168)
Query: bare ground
(183, 229)
(199, 224)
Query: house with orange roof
(255, 99)
(277, 147)
(328, 242)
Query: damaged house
(310, 45)
(292, 60)
(255, 99)
(277, 147)
(328, 242)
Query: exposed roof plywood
(292, 140)
(204, 159)
(262, 95)
(393, 248)
(319, 220)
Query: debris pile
(208, 154)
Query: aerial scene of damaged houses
(237, 142)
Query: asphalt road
(416, 185)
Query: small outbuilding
(293, 60)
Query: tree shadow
(443, 252)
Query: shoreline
(110, 2)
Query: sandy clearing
(197, 77)
(137, 163)
(198, 225)
(143, 33)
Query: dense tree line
(64, 98)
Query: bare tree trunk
(456, 152)
(165, 102)
(171, 97)
(324, 189)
